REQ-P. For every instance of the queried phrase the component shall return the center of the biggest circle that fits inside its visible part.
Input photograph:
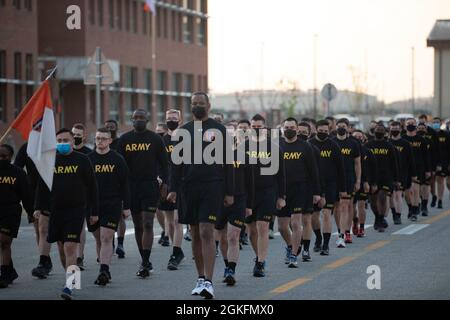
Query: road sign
(106, 72)
(329, 92)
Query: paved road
(412, 266)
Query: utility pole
(413, 107)
(315, 77)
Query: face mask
(140, 125)
(411, 127)
(303, 137)
(436, 126)
(78, 141)
(395, 133)
(113, 134)
(341, 131)
(322, 135)
(372, 130)
(199, 112)
(63, 148)
(172, 125)
(421, 133)
(289, 133)
(379, 135)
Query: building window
(180, 27)
(199, 83)
(100, 12)
(144, 22)
(188, 4)
(29, 5)
(161, 107)
(2, 85)
(29, 75)
(119, 14)
(201, 32)
(148, 86)
(111, 14)
(130, 98)
(114, 97)
(188, 27)
(188, 87)
(158, 22)
(18, 103)
(3, 102)
(92, 12)
(127, 15)
(161, 81)
(16, 4)
(134, 17)
(17, 65)
(205, 83)
(165, 23)
(2, 64)
(174, 26)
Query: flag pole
(52, 72)
(153, 87)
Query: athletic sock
(120, 241)
(232, 266)
(361, 226)
(146, 255)
(42, 259)
(104, 267)
(326, 239)
(306, 245)
(424, 204)
(176, 251)
(393, 211)
(318, 235)
(226, 262)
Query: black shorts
(361, 196)
(350, 188)
(66, 224)
(144, 196)
(200, 202)
(10, 220)
(265, 205)
(443, 172)
(108, 216)
(166, 205)
(331, 195)
(298, 200)
(234, 215)
(387, 187)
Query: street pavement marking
(438, 217)
(411, 229)
(331, 266)
(290, 285)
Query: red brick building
(123, 31)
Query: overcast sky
(247, 36)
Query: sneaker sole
(102, 280)
(39, 275)
(205, 294)
(292, 266)
(306, 259)
(324, 254)
(230, 281)
(172, 267)
(66, 296)
(258, 275)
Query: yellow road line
(290, 285)
(436, 218)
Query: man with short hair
(352, 163)
(443, 162)
(74, 190)
(172, 226)
(14, 189)
(423, 165)
(331, 168)
(203, 188)
(111, 172)
(146, 157)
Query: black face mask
(290, 134)
(395, 133)
(140, 125)
(372, 130)
(421, 133)
(341, 131)
(113, 134)
(172, 125)
(379, 135)
(199, 112)
(303, 137)
(411, 127)
(78, 141)
(322, 135)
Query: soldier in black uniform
(14, 189)
(443, 160)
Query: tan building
(439, 39)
